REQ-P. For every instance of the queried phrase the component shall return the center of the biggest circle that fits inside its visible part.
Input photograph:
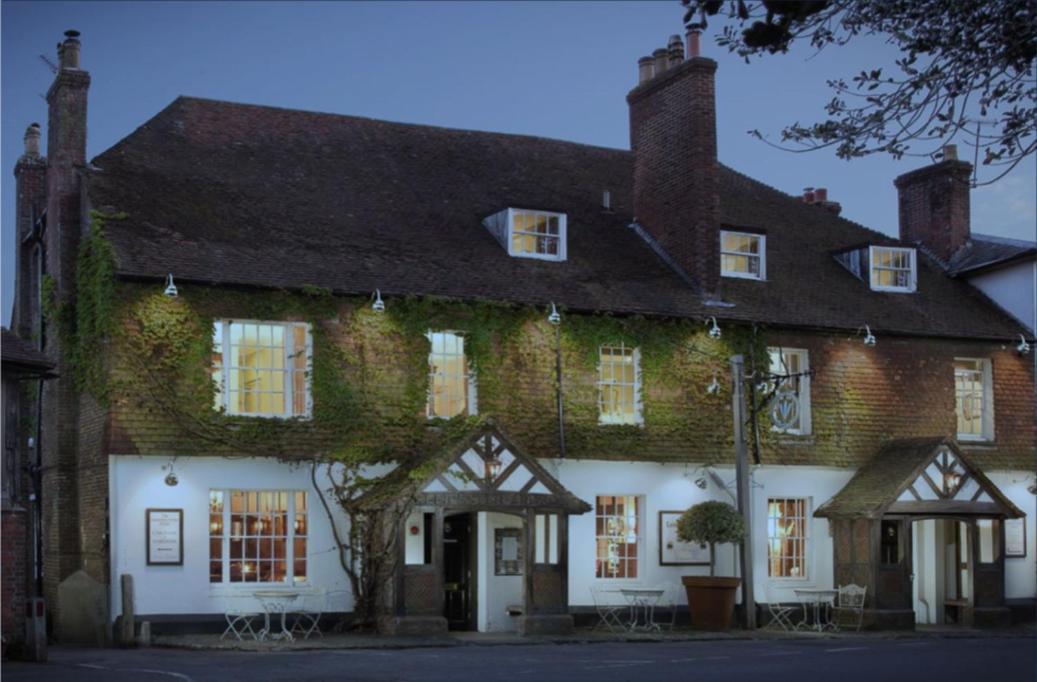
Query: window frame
(639, 557)
(222, 392)
(762, 255)
(912, 285)
(807, 557)
(471, 407)
(985, 368)
(562, 234)
(805, 423)
(225, 538)
(637, 418)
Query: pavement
(857, 659)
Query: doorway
(942, 568)
(460, 542)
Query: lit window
(259, 537)
(892, 269)
(545, 536)
(261, 369)
(790, 409)
(451, 385)
(619, 385)
(743, 255)
(617, 531)
(787, 537)
(989, 532)
(973, 400)
(530, 234)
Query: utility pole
(742, 483)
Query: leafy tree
(712, 523)
(966, 72)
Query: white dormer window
(892, 269)
(527, 233)
(743, 254)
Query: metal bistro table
(816, 598)
(275, 601)
(642, 600)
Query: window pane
(448, 375)
(617, 521)
(787, 538)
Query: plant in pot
(711, 599)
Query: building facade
(513, 354)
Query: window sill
(740, 275)
(979, 443)
(617, 422)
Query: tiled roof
(18, 355)
(246, 195)
(986, 251)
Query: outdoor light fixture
(170, 290)
(951, 479)
(554, 317)
(1024, 346)
(714, 329)
(869, 338)
(170, 479)
(701, 483)
(714, 386)
(493, 467)
(379, 305)
(1032, 488)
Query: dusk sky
(558, 70)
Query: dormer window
(892, 269)
(528, 233)
(743, 254)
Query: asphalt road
(946, 660)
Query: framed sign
(165, 537)
(507, 550)
(674, 552)
(1015, 537)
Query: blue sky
(557, 70)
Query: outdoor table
(816, 598)
(275, 601)
(642, 600)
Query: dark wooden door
(895, 574)
(459, 544)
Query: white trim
(987, 435)
(910, 288)
(637, 418)
(762, 255)
(509, 233)
(471, 406)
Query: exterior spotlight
(171, 479)
(700, 483)
(1024, 346)
(869, 338)
(714, 386)
(379, 305)
(1032, 488)
(554, 318)
(714, 329)
(170, 290)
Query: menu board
(1015, 537)
(165, 533)
(674, 551)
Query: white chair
(608, 613)
(780, 614)
(849, 602)
(240, 612)
(667, 601)
(307, 616)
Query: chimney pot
(808, 195)
(68, 51)
(645, 69)
(694, 48)
(675, 48)
(661, 56)
(950, 152)
(32, 140)
(821, 194)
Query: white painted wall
(136, 484)
(495, 593)
(1014, 288)
(1020, 573)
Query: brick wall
(933, 204)
(14, 544)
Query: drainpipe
(36, 470)
(558, 378)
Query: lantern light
(170, 287)
(379, 305)
(554, 318)
(714, 328)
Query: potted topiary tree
(711, 599)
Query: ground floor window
(618, 528)
(787, 537)
(257, 536)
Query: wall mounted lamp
(869, 338)
(554, 318)
(714, 386)
(714, 328)
(1024, 346)
(170, 287)
(379, 305)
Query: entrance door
(942, 569)
(459, 544)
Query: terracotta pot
(711, 601)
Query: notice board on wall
(164, 537)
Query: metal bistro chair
(306, 618)
(240, 612)
(780, 614)
(608, 613)
(667, 602)
(849, 602)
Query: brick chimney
(30, 173)
(934, 204)
(673, 137)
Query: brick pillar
(674, 140)
(934, 206)
(66, 155)
(31, 196)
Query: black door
(459, 543)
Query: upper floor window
(790, 411)
(530, 234)
(892, 269)
(973, 399)
(451, 384)
(261, 369)
(619, 385)
(743, 254)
